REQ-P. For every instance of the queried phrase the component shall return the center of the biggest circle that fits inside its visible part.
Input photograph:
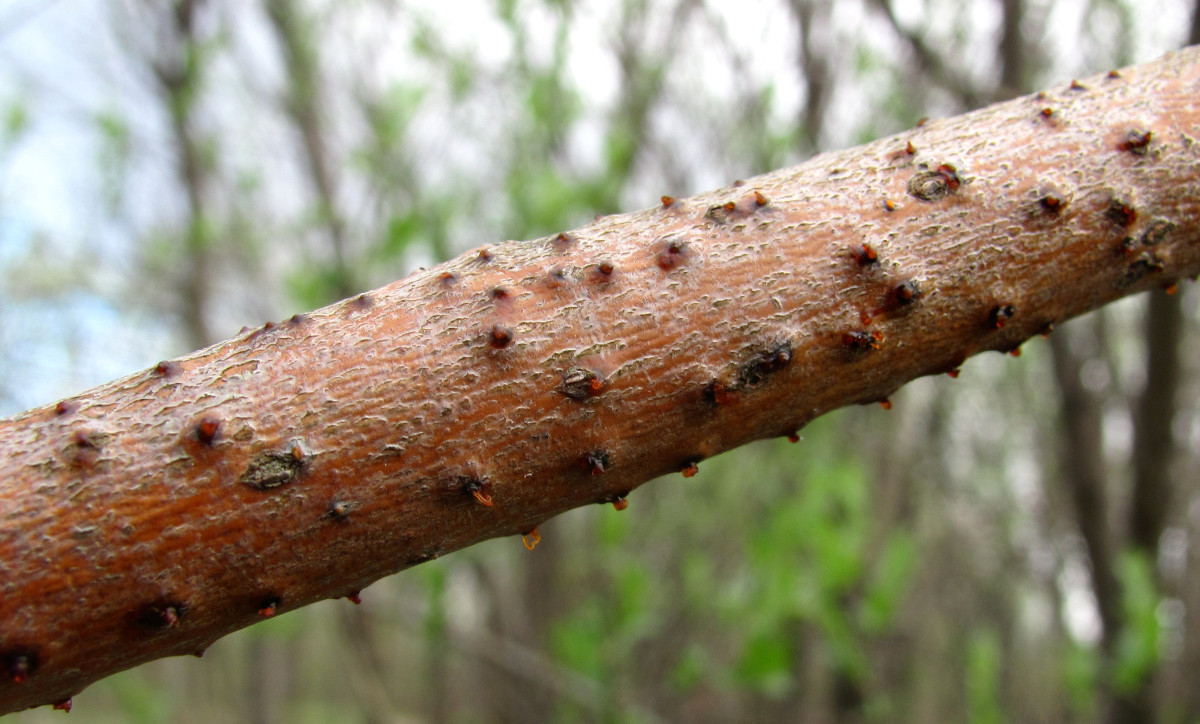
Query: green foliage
(1081, 672)
(814, 565)
(1138, 646)
(766, 663)
(985, 660)
(16, 123)
(113, 155)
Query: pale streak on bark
(127, 535)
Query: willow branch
(306, 459)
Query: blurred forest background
(1021, 543)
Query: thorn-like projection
(764, 364)
(1052, 202)
(362, 301)
(909, 148)
(297, 320)
(84, 448)
(690, 468)
(562, 240)
(672, 255)
(338, 509)
(65, 407)
(500, 337)
(167, 369)
(354, 597)
(906, 293)
(269, 606)
(954, 372)
(555, 278)
(1076, 85)
(484, 255)
(885, 403)
(720, 213)
(865, 255)
(207, 429)
(667, 201)
(19, 664)
(1136, 141)
(619, 502)
(759, 199)
(1000, 315)
(718, 395)
(162, 615)
(861, 341)
(63, 705)
(581, 383)
(794, 437)
(596, 462)
(478, 488)
(1121, 212)
(531, 539)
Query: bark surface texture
(308, 458)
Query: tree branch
(306, 459)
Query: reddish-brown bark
(308, 458)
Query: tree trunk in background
(306, 459)
(1082, 468)
(179, 69)
(305, 105)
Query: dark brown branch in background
(310, 457)
(928, 60)
(179, 69)
(1154, 417)
(814, 67)
(306, 103)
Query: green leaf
(984, 663)
(1137, 648)
(766, 664)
